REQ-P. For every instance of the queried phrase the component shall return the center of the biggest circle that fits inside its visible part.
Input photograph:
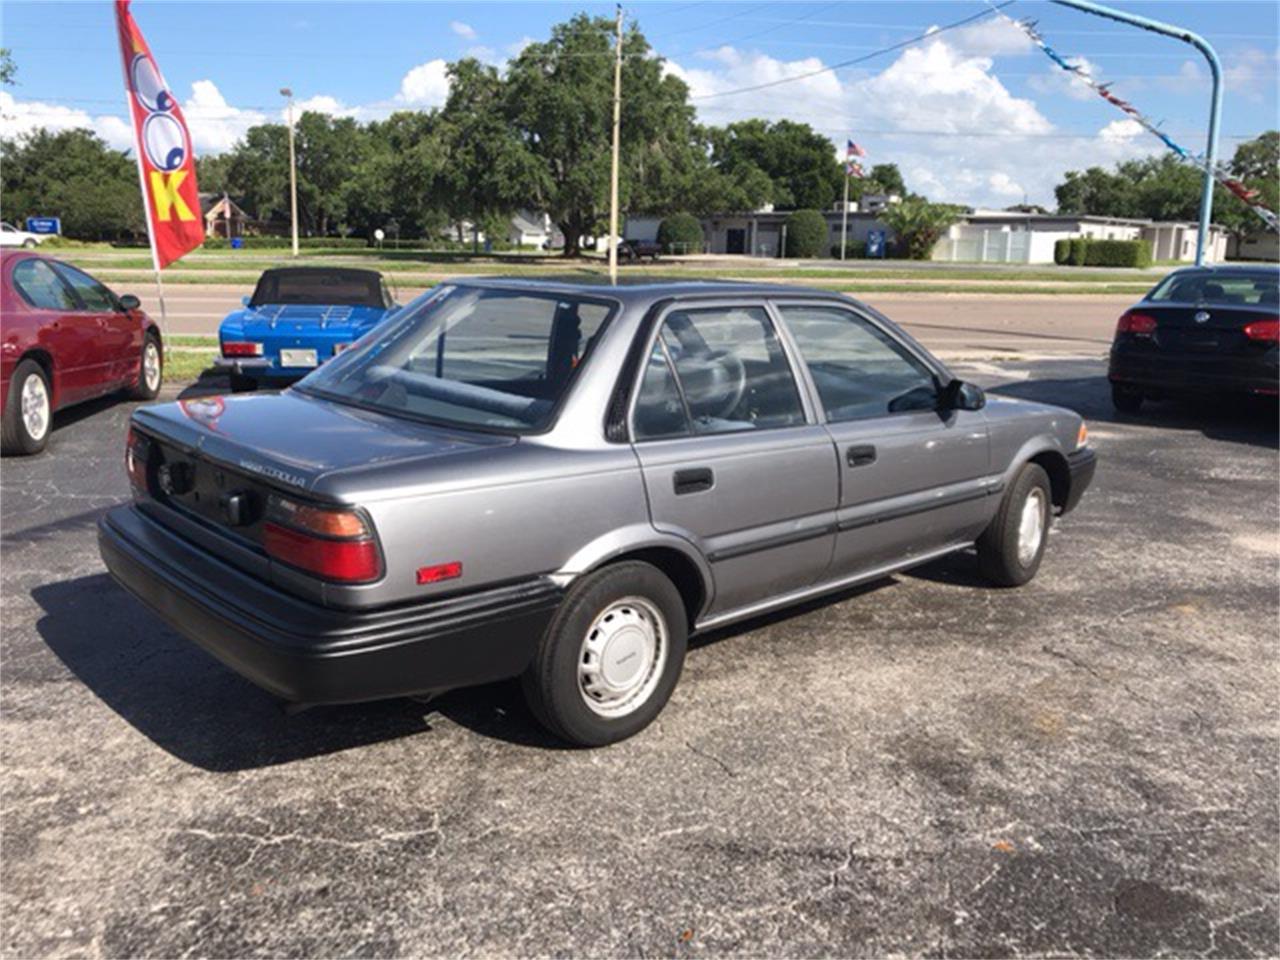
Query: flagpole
(844, 215)
(613, 170)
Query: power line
(856, 60)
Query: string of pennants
(1246, 194)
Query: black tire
(552, 686)
(1126, 399)
(140, 390)
(243, 384)
(30, 244)
(998, 554)
(16, 438)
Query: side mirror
(959, 395)
(244, 301)
(130, 302)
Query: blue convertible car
(297, 318)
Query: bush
(1117, 253)
(806, 234)
(681, 233)
(1079, 246)
(1062, 251)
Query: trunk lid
(1203, 327)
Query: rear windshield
(321, 287)
(492, 359)
(1245, 288)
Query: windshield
(1241, 288)
(352, 288)
(493, 359)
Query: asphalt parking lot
(1088, 765)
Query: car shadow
(1241, 419)
(184, 700)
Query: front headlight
(1082, 437)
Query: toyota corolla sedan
(1202, 330)
(564, 482)
(297, 318)
(64, 339)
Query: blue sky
(973, 115)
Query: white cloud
(1249, 72)
(23, 116)
(516, 48)
(984, 146)
(425, 85)
(1119, 131)
(464, 30)
(997, 37)
(214, 123)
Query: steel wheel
(151, 366)
(622, 657)
(1031, 526)
(35, 407)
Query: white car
(11, 236)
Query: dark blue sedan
(297, 318)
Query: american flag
(853, 150)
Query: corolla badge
(1202, 316)
(274, 473)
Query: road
(956, 325)
(926, 766)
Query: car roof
(321, 270)
(642, 292)
(1229, 268)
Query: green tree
(886, 178)
(559, 97)
(1096, 191)
(486, 171)
(258, 172)
(800, 163)
(328, 149)
(806, 234)
(74, 175)
(919, 224)
(8, 69)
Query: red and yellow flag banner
(166, 161)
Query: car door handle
(861, 455)
(694, 480)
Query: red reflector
(350, 561)
(1263, 330)
(441, 571)
(1141, 324)
(241, 348)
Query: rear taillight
(1139, 324)
(333, 544)
(1265, 330)
(136, 451)
(241, 348)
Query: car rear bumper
(311, 654)
(1194, 373)
(262, 368)
(1080, 466)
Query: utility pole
(293, 173)
(844, 213)
(613, 173)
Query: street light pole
(293, 173)
(1215, 105)
(613, 173)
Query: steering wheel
(736, 388)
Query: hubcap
(1031, 526)
(622, 657)
(151, 365)
(35, 407)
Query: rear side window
(860, 371)
(92, 294)
(1246, 288)
(37, 284)
(716, 370)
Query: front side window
(92, 294)
(493, 359)
(860, 371)
(1239, 288)
(716, 370)
(41, 287)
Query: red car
(65, 338)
